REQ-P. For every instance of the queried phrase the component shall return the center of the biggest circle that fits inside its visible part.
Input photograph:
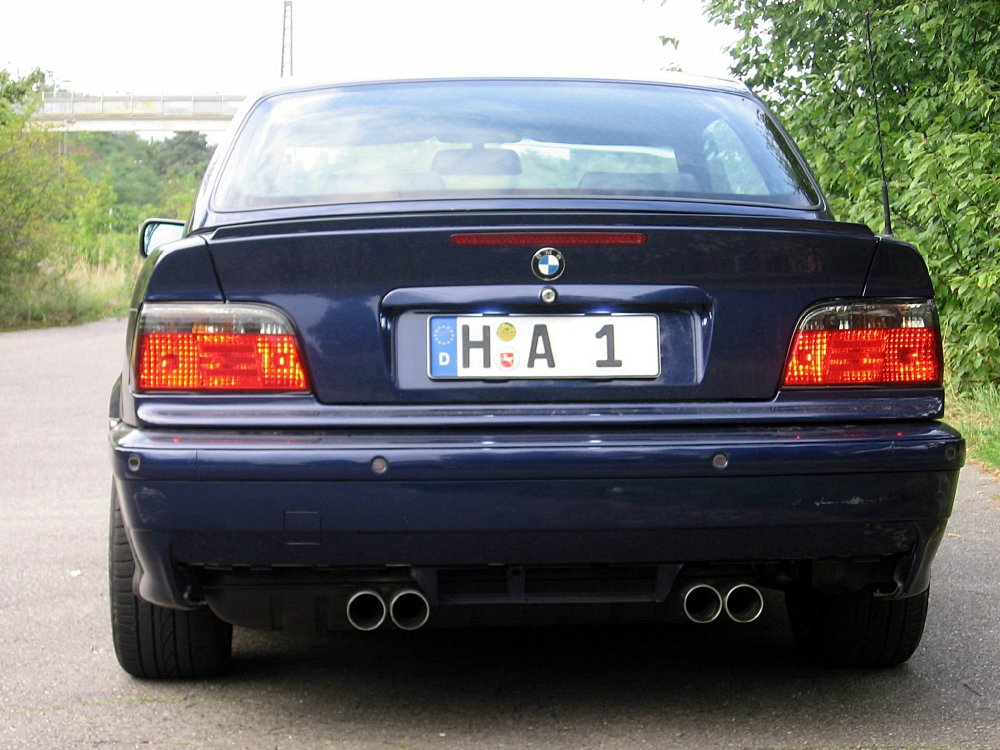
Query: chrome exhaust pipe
(702, 603)
(366, 610)
(744, 603)
(409, 609)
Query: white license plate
(543, 346)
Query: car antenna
(878, 127)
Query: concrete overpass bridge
(196, 112)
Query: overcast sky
(234, 46)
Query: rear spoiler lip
(498, 211)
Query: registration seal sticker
(506, 331)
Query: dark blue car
(462, 352)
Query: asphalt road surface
(679, 686)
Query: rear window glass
(468, 139)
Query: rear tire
(856, 629)
(158, 642)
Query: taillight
(218, 348)
(866, 343)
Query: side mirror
(157, 232)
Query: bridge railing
(135, 112)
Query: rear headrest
(477, 161)
(639, 182)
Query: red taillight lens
(217, 348)
(866, 344)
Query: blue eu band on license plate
(544, 346)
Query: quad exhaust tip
(744, 603)
(703, 603)
(366, 610)
(409, 609)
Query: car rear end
(461, 352)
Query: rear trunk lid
(711, 302)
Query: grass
(975, 411)
(79, 294)
(71, 287)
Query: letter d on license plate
(544, 346)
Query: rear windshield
(470, 139)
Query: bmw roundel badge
(548, 264)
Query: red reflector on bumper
(865, 356)
(219, 362)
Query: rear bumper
(430, 500)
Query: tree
(18, 95)
(147, 177)
(33, 194)
(122, 158)
(181, 161)
(183, 155)
(937, 74)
